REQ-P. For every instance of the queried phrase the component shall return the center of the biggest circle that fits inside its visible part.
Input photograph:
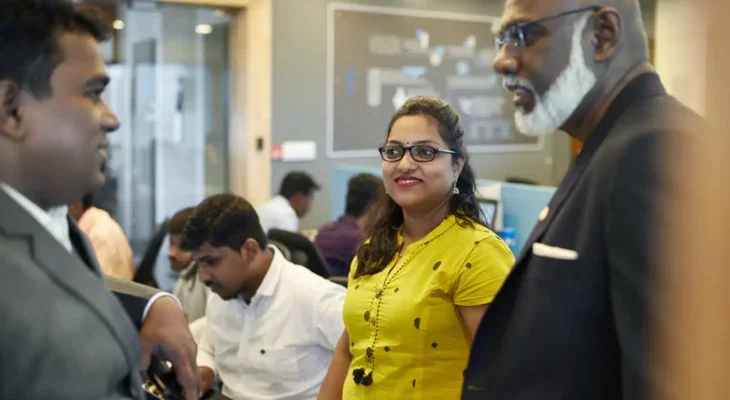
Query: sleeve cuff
(155, 298)
(474, 301)
(206, 360)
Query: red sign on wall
(276, 152)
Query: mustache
(512, 81)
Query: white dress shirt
(278, 213)
(279, 346)
(55, 220)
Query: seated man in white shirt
(294, 201)
(188, 289)
(272, 326)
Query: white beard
(559, 102)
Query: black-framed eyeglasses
(419, 152)
(517, 37)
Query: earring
(454, 189)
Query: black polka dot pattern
(367, 316)
(262, 352)
(434, 345)
(368, 379)
(387, 349)
(414, 383)
(417, 323)
(468, 265)
(396, 290)
(358, 374)
(437, 265)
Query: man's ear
(250, 249)
(606, 32)
(10, 125)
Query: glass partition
(170, 89)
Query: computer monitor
(489, 209)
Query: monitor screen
(489, 209)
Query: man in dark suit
(64, 335)
(573, 319)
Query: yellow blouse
(407, 337)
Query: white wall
(681, 51)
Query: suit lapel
(70, 273)
(644, 86)
(82, 246)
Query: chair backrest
(303, 251)
(282, 248)
(146, 269)
(340, 280)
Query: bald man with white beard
(574, 318)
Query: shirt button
(378, 293)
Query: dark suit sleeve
(133, 296)
(632, 227)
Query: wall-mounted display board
(378, 57)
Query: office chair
(145, 274)
(303, 251)
(340, 280)
(283, 249)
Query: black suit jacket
(577, 329)
(64, 335)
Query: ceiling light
(203, 29)
(118, 24)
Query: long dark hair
(382, 247)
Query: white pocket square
(546, 251)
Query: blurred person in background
(271, 325)
(107, 238)
(572, 320)
(64, 335)
(293, 202)
(421, 283)
(339, 240)
(192, 293)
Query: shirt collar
(38, 213)
(188, 268)
(55, 220)
(282, 201)
(189, 273)
(271, 280)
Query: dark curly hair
(176, 225)
(29, 33)
(223, 220)
(382, 247)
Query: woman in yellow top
(421, 284)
